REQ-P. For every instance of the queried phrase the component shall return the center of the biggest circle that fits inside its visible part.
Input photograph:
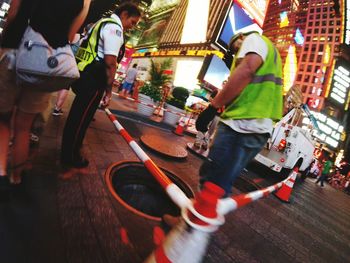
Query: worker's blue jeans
(229, 154)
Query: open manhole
(135, 188)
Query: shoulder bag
(41, 67)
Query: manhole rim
(108, 181)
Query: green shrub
(152, 91)
(178, 97)
(156, 72)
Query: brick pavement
(50, 220)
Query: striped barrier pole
(225, 205)
(189, 240)
(232, 203)
(149, 105)
(174, 192)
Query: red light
(167, 72)
(282, 145)
(282, 160)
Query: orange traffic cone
(179, 129)
(188, 241)
(284, 193)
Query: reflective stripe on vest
(262, 97)
(268, 77)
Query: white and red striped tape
(174, 192)
(232, 203)
(225, 205)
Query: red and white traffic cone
(285, 191)
(179, 128)
(188, 241)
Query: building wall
(172, 35)
(322, 32)
(283, 36)
(323, 36)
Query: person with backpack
(57, 22)
(97, 58)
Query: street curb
(133, 116)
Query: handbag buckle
(28, 44)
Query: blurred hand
(106, 99)
(204, 118)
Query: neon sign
(340, 84)
(330, 131)
(347, 23)
(256, 8)
(299, 39)
(284, 19)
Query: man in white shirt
(129, 80)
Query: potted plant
(149, 95)
(151, 92)
(157, 72)
(175, 105)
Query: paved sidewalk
(78, 220)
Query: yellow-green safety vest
(262, 97)
(87, 51)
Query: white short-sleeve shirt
(253, 43)
(111, 38)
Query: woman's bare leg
(61, 98)
(22, 126)
(5, 124)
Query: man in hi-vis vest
(253, 99)
(97, 59)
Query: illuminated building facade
(195, 29)
(323, 37)
(319, 72)
(285, 25)
(280, 25)
(184, 33)
(313, 30)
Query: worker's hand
(106, 99)
(205, 117)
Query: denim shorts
(127, 86)
(11, 95)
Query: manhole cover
(167, 146)
(135, 188)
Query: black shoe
(4, 189)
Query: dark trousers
(321, 179)
(89, 90)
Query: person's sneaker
(197, 145)
(57, 112)
(34, 138)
